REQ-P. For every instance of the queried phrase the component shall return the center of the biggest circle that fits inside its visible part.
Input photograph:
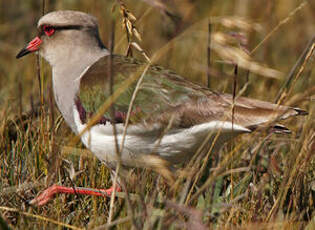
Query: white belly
(175, 146)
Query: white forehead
(67, 17)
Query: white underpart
(176, 146)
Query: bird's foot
(49, 193)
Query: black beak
(30, 47)
(23, 52)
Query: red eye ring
(49, 30)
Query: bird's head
(60, 33)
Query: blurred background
(274, 35)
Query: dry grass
(258, 181)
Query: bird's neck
(66, 80)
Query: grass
(258, 181)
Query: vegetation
(257, 181)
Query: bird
(169, 116)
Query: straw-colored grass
(257, 181)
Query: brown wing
(248, 113)
(164, 96)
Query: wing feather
(165, 96)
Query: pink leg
(49, 193)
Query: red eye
(49, 30)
